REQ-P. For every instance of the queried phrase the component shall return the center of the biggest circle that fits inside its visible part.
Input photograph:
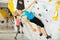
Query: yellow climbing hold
(58, 4)
(56, 11)
(49, 0)
(11, 6)
(55, 17)
(3, 13)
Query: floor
(10, 36)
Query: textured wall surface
(44, 10)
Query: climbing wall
(48, 11)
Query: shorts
(37, 22)
(20, 7)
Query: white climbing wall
(44, 10)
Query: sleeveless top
(29, 15)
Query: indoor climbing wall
(48, 11)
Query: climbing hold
(38, 8)
(46, 20)
(36, 2)
(27, 1)
(58, 4)
(49, 0)
(39, 14)
(2, 21)
(11, 6)
(46, 9)
(55, 17)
